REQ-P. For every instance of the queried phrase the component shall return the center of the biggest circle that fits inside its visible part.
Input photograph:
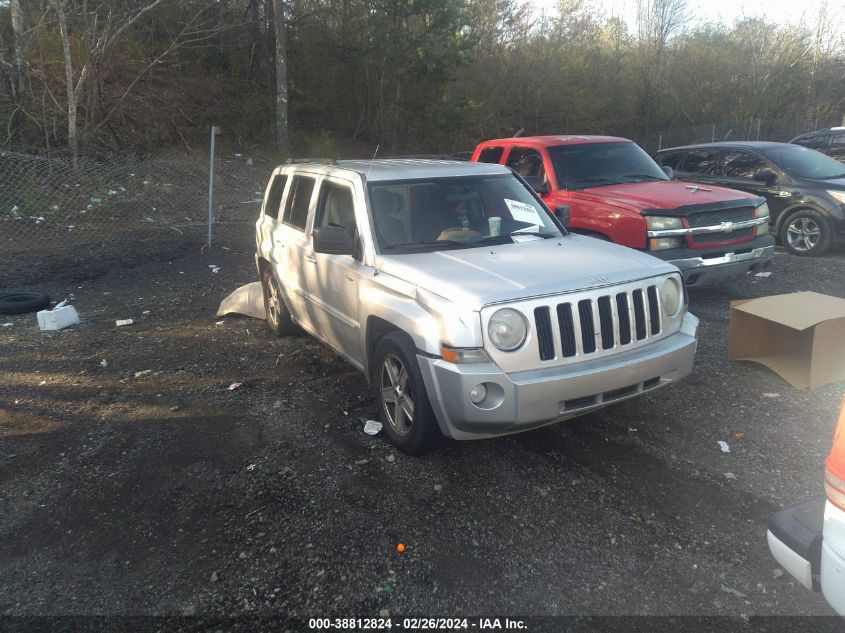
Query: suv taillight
(834, 468)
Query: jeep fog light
(670, 296)
(508, 329)
(478, 393)
(662, 243)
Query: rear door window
(818, 142)
(274, 198)
(702, 162)
(491, 155)
(670, 159)
(299, 199)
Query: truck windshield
(803, 162)
(600, 164)
(459, 212)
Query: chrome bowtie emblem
(726, 227)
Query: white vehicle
(466, 303)
(808, 540)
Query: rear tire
(806, 233)
(403, 403)
(279, 320)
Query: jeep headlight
(662, 223)
(671, 296)
(762, 212)
(507, 329)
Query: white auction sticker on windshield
(522, 212)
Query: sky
(782, 11)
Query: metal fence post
(214, 131)
(659, 142)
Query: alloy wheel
(803, 234)
(397, 400)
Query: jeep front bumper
(530, 399)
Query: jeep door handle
(310, 258)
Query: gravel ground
(134, 481)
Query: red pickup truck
(615, 191)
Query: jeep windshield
(410, 216)
(601, 164)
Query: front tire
(404, 408)
(806, 233)
(278, 316)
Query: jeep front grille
(596, 324)
(715, 218)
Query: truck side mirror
(333, 240)
(537, 185)
(766, 176)
(668, 171)
(562, 213)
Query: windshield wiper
(429, 243)
(605, 181)
(644, 176)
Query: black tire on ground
(23, 302)
(399, 390)
(806, 233)
(276, 311)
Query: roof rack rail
(427, 156)
(321, 161)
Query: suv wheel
(806, 232)
(401, 396)
(278, 316)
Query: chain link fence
(88, 217)
(750, 130)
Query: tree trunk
(17, 27)
(281, 63)
(72, 133)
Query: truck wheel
(806, 233)
(401, 396)
(278, 316)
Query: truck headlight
(662, 223)
(507, 329)
(762, 212)
(671, 296)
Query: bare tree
(17, 27)
(281, 65)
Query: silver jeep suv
(464, 301)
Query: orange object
(449, 354)
(400, 548)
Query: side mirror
(562, 213)
(766, 175)
(669, 171)
(537, 185)
(333, 240)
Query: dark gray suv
(804, 188)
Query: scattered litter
(731, 591)
(220, 323)
(214, 576)
(383, 613)
(438, 488)
(175, 407)
(730, 476)
(738, 435)
(146, 372)
(8, 324)
(251, 467)
(724, 446)
(122, 322)
(371, 427)
(400, 547)
(771, 395)
(631, 429)
(145, 312)
(361, 462)
(104, 363)
(58, 318)
(765, 274)
(249, 514)
(777, 572)
(391, 458)
(235, 385)
(214, 268)
(247, 300)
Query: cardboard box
(800, 336)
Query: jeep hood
(475, 277)
(666, 195)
